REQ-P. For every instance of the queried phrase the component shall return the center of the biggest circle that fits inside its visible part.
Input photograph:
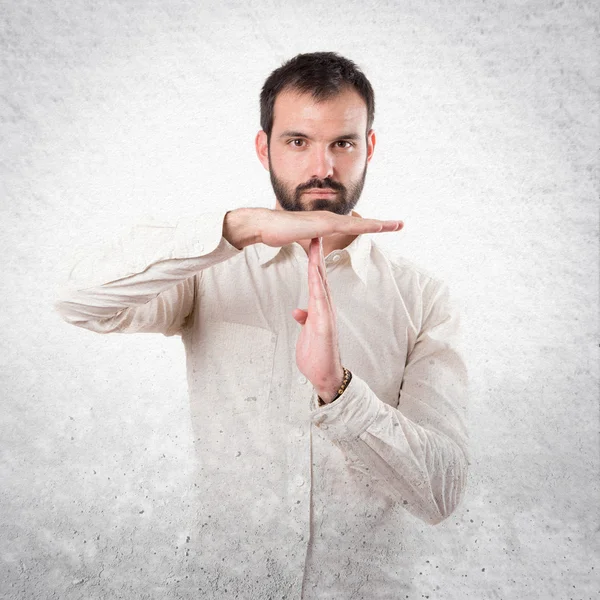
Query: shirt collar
(359, 251)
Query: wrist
(329, 393)
(238, 229)
(326, 395)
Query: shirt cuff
(351, 414)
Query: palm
(279, 228)
(317, 352)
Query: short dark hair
(323, 74)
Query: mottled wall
(487, 124)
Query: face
(318, 153)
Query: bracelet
(345, 382)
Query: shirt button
(336, 258)
(302, 379)
(299, 481)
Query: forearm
(425, 468)
(143, 281)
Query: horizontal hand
(245, 226)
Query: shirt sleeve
(145, 280)
(418, 450)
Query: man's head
(317, 111)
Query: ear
(262, 148)
(371, 139)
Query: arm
(144, 281)
(419, 449)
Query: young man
(320, 437)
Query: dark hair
(323, 74)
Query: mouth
(320, 192)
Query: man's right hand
(245, 226)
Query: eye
(343, 144)
(297, 142)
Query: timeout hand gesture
(317, 350)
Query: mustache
(321, 184)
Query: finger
(323, 270)
(320, 259)
(317, 295)
(316, 256)
(314, 252)
(355, 225)
(300, 315)
(372, 226)
(321, 255)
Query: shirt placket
(299, 459)
(299, 449)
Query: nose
(321, 163)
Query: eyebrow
(298, 134)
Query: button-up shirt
(297, 500)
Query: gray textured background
(487, 123)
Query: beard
(343, 204)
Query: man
(318, 445)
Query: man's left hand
(317, 349)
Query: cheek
(289, 166)
(353, 166)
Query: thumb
(300, 315)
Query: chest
(252, 308)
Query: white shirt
(298, 500)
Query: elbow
(69, 313)
(64, 309)
(84, 317)
(449, 489)
(439, 495)
(67, 306)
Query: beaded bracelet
(345, 382)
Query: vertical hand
(317, 350)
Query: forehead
(296, 111)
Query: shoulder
(427, 297)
